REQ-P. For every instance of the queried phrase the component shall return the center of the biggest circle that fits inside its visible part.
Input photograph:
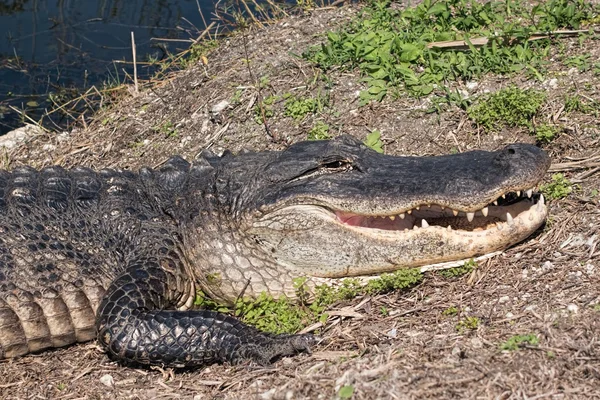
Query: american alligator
(118, 256)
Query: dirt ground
(548, 286)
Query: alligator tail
(31, 322)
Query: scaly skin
(119, 255)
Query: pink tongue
(372, 222)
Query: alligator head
(337, 208)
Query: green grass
(518, 341)
(389, 46)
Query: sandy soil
(548, 286)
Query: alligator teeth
(500, 226)
(424, 224)
(415, 227)
(455, 212)
(518, 193)
(541, 202)
(449, 228)
(509, 218)
(529, 193)
(495, 202)
(442, 207)
(417, 207)
(470, 216)
(484, 211)
(392, 217)
(409, 212)
(401, 216)
(504, 196)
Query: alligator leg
(135, 326)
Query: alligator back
(63, 236)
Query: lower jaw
(435, 244)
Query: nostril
(510, 151)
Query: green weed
(584, 106)
(167, 128)
(299, 107)
(558, 188)
(455, 272)
(286, 315)
(512, 107)
(469, 323)
(391, 48)
(264, 109)
(346, 392)
(518, 341)
(450, 311)
(319, 132)
(374, 142)
(546, 133)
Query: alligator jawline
(494, 216)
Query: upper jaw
(504, 210)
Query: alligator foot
(269, 348)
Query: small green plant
(518, 341)
(197, 52)
(545, 133)
(319, 132)
(401, 279)
(346, 392)
(581, 62)
(468, 323)
(168, 129)
(455, 272)
(61, 386)
(597, 307)
(264, 109)
(392, 46)
(558, 188)
(285, 315)
(578, 104)
(299, 107)
(512, 107)
(450, 311)
(384, 311)
(274, 315)
(374, 142)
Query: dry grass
(399, 346)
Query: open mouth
(522, 207)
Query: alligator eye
(337, 165)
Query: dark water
(46, 45)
